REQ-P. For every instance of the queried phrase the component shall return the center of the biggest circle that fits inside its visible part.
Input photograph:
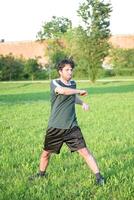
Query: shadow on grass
(111, 89)
(25, 97)
(45, 96)
(14, 86)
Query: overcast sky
(22, 19)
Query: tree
(94, 34)
(11, 68)
(54, 31)
(55, 28)
(122, 61)
(31, 67)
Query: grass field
(108, 129)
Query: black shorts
(55, 138)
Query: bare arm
(69, 91)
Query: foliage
(55, 28)
(55, 51)
(54, 31)
(11, 68)
(108, 72)
(122, 58)
(124, 71)
(86, 45)
(72, 40)
(41, 75)
(31, 67)
(94, 34)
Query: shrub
(122, 58)
(124, 71)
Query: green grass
(108, 129)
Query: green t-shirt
(63, 114)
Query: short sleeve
(54, 84)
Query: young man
(62, 125)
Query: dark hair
(64, 62)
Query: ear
(60, 72)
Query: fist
(85, 106)
(83, 93)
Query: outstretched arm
(69, 91)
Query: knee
(84, 152)
(45, 154)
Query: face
(66, 73)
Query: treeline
(121, 63)
(12, 68)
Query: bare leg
(90, 160)
(44, 160)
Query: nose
(70, 72)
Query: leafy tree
(54, 31)
(72, 40)
(55, 52)
(11, 68)
(1, 66)
(94, 34)
(31, 68)
(122, 58)
(54, 28)
(122, 61)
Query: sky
(21, 19)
